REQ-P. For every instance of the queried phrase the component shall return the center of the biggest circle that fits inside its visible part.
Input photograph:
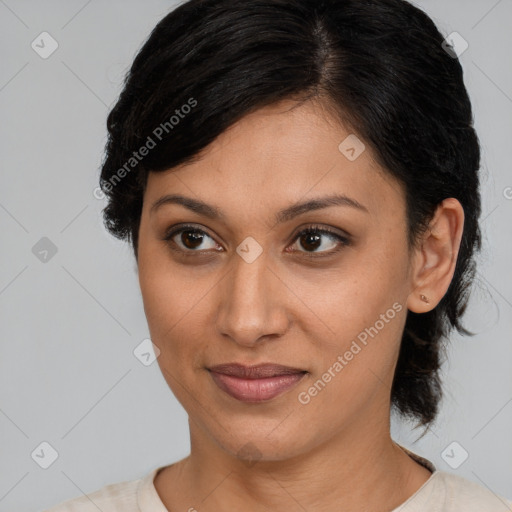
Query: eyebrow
(289, 213)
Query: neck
(361, 468)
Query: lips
(260, 371)
(255, 383)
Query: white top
(442, 492)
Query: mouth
(253, 384)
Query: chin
(263, 444)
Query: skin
(289, 308)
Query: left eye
(311, 238)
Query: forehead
(277, 156)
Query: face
(320, 289)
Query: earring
(424, 299)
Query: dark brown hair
(378, 64)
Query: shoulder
(463, 494)
(116, 497)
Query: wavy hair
(380, 68)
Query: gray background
(69, 325)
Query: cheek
(169, 304)
(165, 291)
(363, 305)
(354, 368)
(162, 295)
(175, 304)
(351, 297)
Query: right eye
(188, 238)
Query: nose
(252, 302)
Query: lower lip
(255, 390)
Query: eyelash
(314, 229)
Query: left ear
(436, 257)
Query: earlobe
(436, 257)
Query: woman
(299, 182)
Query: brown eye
(314, 238)
(311, 241)
(190, 239)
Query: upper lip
(259, 371)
